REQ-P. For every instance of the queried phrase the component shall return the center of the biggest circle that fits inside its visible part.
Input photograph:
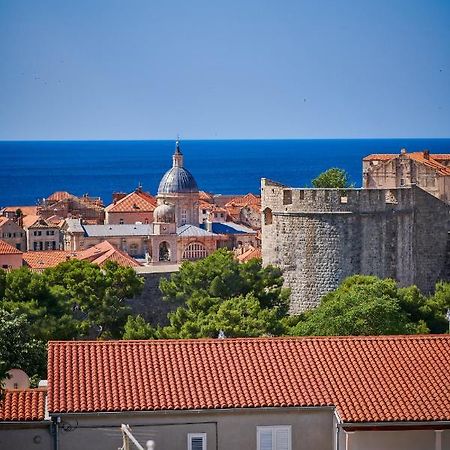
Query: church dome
(177, 180)
(164, 214)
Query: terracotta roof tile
(98, 254)
(137, 201)
(23, 405)
(250, 253)
(368, 379)
(245, 200)
(7, 249)
(430, 161)
(60, 195)
(26, 210)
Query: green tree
(219, 294)
(137, 328)
(97, 294)
(18, 349)
(332, 178)
(364, 305)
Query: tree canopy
(368, 305)
(219, 294)
(332, 178)
(73, 300)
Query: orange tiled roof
(206, 196)
(23, 405)
(26, 210)
(431, 161)
(59, 195)
(7, 249)
(245, 200)
(250, 253)
(33, 221)
(368, 379)
(97, 254)
(3, 220)
(137, 201)
(44, 259)
(105, 251)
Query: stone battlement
(320, 236)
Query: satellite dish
(18, 379)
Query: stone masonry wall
(320, 236)
(150, 304)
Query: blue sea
(30, 170)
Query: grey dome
(177, 180)
(164, 214)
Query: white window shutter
(282, 439)
(265, 440)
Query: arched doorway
(164, 251)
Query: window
(274, 438)
(195, 251)
(164, 251)
(287, 197)
(183, 216)
(196, 441)
(268, 218)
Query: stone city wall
(320, 236)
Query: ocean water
(30, 170)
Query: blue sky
(150, 69)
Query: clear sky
(150, 69)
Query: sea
(32, 170)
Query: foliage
(137, 328)
(332, 178)
(219, 294)
(17, 347)
(74, 300)
(367, 305)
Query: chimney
(426, 154)
(402, 151)
(118, 196)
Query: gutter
(364, 426)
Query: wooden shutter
(197, 443)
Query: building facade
(388, 171)
(320, 236)
(41, 234)
(13, 234)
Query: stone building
(430, 172)
(62, 205)
(320, 236)
(135, 207)
(13, 234)
(41, 234)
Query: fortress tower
(320, 236)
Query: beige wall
(226, 430)
(11, 261)
(128, 217)
(393, 440)
(43, 240)
(14, 235)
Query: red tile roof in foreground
(7, 249)
(23, 405)
(368, 379)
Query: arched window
(268, 218)
(164, 251)
(195, 251)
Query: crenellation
(318, 238)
